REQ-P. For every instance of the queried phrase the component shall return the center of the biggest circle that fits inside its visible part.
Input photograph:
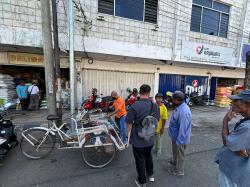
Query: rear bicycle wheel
(43, 144)
(98, 151)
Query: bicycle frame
(80, 133)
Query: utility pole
(71, 56)
(48, 56)
(247, 76)
(57, 60)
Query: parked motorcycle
(8, 137)
(97, 102)
(198, 100)
(132, 97)
(168, 102)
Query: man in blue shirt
(179, 131)
(22, 93)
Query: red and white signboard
(201, 52)
(195, 83)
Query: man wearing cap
(161, 123)
(179, 131)
(233, 157)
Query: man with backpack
(142, 120)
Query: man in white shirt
(33, 91)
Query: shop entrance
(10, 76)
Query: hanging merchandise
(221, 98)
(7, 88)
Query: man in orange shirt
(120, 114)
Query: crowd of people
(137, 121)
(131, 124)
(232, 157)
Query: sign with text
(32, 59)
(25, 59)
(200, 52)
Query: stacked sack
(221, 98)
(7, 88)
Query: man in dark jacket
(141, 147)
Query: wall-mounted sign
(32, 59)
(200, 52)
(25, 59)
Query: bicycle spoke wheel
(98, 151)
(43, 144)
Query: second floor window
(210, 17)
(142, 10)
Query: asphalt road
(66, 167)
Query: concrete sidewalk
(31, 118)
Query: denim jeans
(225, 181)
(122, 127)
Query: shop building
(16, 66)
(120, 44)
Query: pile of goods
(44, 103)
(221, 98)
(7, 88)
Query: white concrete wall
(234, 31)
(246, 33)
(20, 24)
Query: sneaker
(178, 173)
(138, 184)
(151, 178)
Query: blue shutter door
(169, 82)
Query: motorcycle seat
(52, 117)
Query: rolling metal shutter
(170, 83)
(107, 81)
